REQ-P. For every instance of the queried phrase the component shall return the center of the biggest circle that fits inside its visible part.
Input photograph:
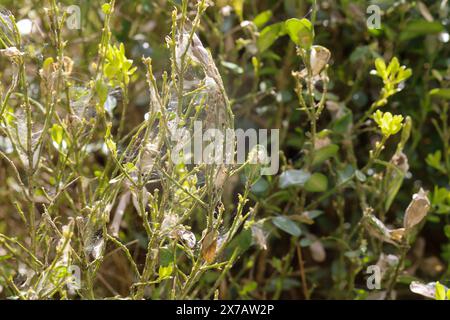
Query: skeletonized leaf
(188, 237)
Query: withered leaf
(424, 289)
(378, 229)
(417, 209)
(319, 59)
(397, 234)
(209, 246)
(259, 237)
(188, 237)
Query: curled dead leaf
(424, 289)
(417, 209)
(397, 234)
(11, 52)
(319, 59)
(209, 246)
(221, 176)
(378, 229)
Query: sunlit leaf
(269, 35)
(262, 18)
(301, 32)
(441, 93)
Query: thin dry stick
(302, 273)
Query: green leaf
(233, 67)
(165, 256)
(324, 154)
(447, 231)
(269, 35)
(312, 214)
(287, 225)
(317, 183)
(360, 176)
(47, 65)
(276, 264)
(5, 257)
(260, 186)
(293, 177)
(434, 161)
(346, 173)
(111, 146)
(249, 287)
(262, 18)
(301, 32)
(242, 242)
(393, 187)
(440, 195)
(441, 93)
(130, 167)
(420, 27)
(305, 242)
(57, 134)
(343, 122)
(102, 91)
